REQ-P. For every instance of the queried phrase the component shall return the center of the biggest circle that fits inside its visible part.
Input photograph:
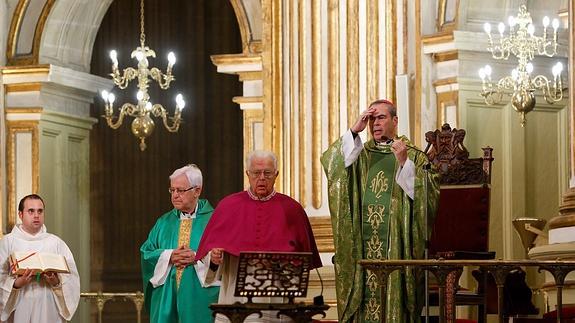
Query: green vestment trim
(401, 232)
(167, 303)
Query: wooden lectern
(272, 274)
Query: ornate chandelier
(143, 124)
(523, 44)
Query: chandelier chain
(142, 33)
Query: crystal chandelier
(143, 124)
(523, 44)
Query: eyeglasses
(257, 173)
(180, 190)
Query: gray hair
(192, 172)
(261, 154)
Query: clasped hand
(183, 257)
(50, 277)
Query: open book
(38, 262)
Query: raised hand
(363, 120)
(399, 149)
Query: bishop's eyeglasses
(257, 173)
(180, 190)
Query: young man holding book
(29, 292)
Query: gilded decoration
(374, 247)
(183, 240)
(323, 232)
(447, 13)
(14, 33)
(372, 308)
(375, 214)
(243, 23)
(14, 128)
(379, 184)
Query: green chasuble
(168, 303)
(373, 218)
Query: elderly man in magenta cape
(378, 207)
(258, 219)
(172, 290)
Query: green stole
(375, 224)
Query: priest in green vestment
(380, 193)
(172, 291)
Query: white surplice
(37, 302)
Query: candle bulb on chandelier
(557, 69)
(512, 23)
(501, 28)
(555, 24)
(487, 28)
(482, 74)
(114, 57)
(514, 74)
(171, 59)
(529, 68)
(487, 69)
(531, 30)
(180, 103)
(545, 22)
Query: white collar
(184, 215)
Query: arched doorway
(129, 187)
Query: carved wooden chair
(461, 227)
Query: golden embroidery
(375, 213)
(374, 247)
(379, 184)
(371, 281)
(183, 240)
(372, 310)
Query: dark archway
(129, 187)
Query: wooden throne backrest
(447, 153)
(462, 220)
